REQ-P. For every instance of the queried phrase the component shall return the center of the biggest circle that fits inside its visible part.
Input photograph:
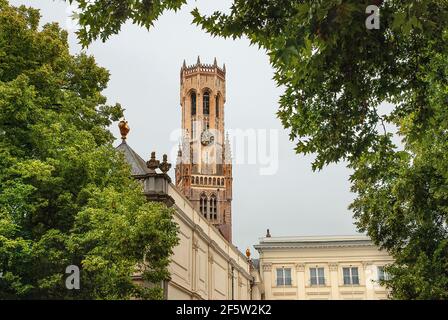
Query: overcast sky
(144, 69)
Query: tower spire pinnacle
(199, 61)
(227, 150)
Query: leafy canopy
(66, 195)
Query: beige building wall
(301, 254)
(204, 264)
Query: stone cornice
(291, 245)
(159, 197)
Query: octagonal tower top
(202, 68)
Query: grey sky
(144, 70)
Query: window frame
(351, 276)
(385, 275)
(213, 207)
(217, 106)
(203, 205)
(193, 107)
(206, 103)
(319, 276)
(283, 278)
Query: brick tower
(204, 166)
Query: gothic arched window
(217, 106)
(213, 207)
(193, 103)
(206, 103)
(203, 205)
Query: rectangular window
(280, 277)
(346, 274)
(217, 106)
(284, 277)
(193, 104)
(206, 104)
(382, 275)
(355, 276)
(351, 275)
(317, 276)
(288, 280)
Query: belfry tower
(204, 165)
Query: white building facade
(321, 268)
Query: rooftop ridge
(317, 238)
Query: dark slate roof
(138, 165)
(256, 263)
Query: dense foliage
(66, 195)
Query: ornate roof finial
(199, 61)
(184, 65)
(179, 156)
(215, 63)
(227, 150)
(268, 234)
(124, 128)
(224, 67)
(153, 164)
(165, 166)
(248, 253)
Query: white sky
(144, 70)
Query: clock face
(207, 137)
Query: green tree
(66, 195)
(336, 72)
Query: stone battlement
(203, 68)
